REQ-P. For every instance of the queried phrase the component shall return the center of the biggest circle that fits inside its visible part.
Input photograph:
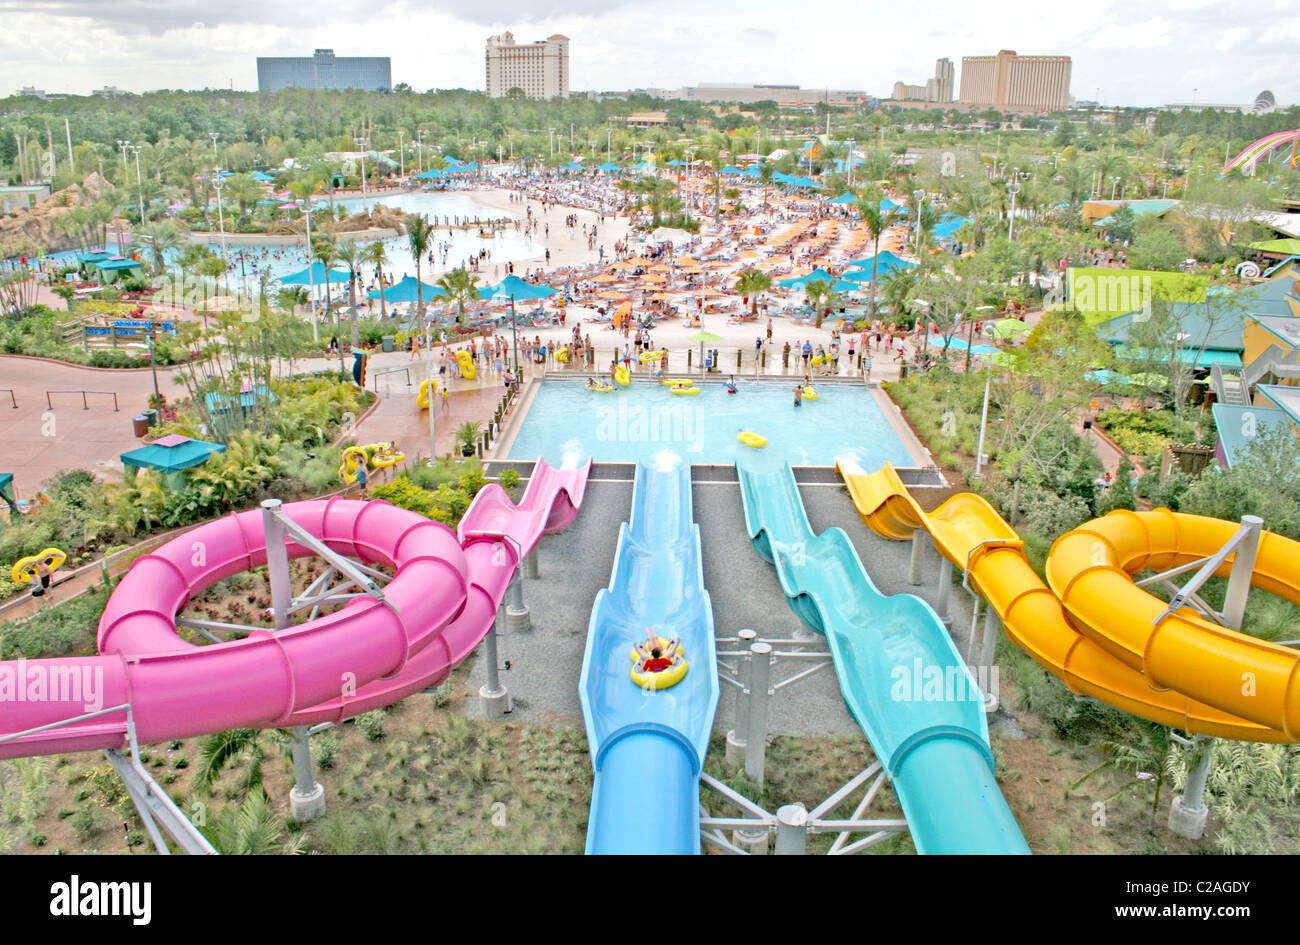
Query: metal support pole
(530, 564)
(917, 569)
(736, 737)
(518, 618)
(1243, 565)
(791, 830)
(945, 591)
(493, 695)
(307, 796)
(989, 644)
(756, 736)
(1189, 813)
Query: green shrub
(372, 724)
(66, 629)
(1051, 515)
(324, 749)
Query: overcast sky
(1133, 53)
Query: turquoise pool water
(565, 421)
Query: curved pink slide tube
(442, 600)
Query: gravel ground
(546, 660)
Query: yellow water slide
(1096, 629)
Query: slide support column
(530, 564)
(493, 696)
(915, 574)
(1243, 565)
(791, 830)
(517, 616)
(756, 738)
(736, 737)
(1188, 813)
(307, 796)
(945, 591)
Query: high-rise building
(1016, 83)
(938, 89)
(539, 69)
(324, 70)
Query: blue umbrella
(407, 291)
(609, 166)
(516, 289)
(845, 198)
(317, 276)
(887, 263)
(798, 282)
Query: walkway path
(40, 441)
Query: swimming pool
(280, 260)
(645, 419)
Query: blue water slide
(902, 679)
(648, 746)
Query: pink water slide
(442, 600)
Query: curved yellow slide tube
(1098, 631)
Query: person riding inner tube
(658, 662)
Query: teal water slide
(648, 746)
(902, 679)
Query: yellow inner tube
(645, 356)
(683, 390)
(382, 455)
(676, 382)
(24, 569)
(353, 458)
(819, 359)
(423, 399)
(562, 356)
(752, 439)
(809, 393)
(601, 388)
(622, 375)
(665, 679)
(466, 363)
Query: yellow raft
(622, 375)
(665, 679)
(25, 570)
(467, 369)
(752, 439)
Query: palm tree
(752, 282)
(419, 237)
(252, 829)
(375, 255)
(821, 296)
(244, 191)
(459, 286)
(350, 255)
(877, 220)
(162, 237)
(765, 171)
(327, 254)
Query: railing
(9, 391)
(83, 393)
(374, 377)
